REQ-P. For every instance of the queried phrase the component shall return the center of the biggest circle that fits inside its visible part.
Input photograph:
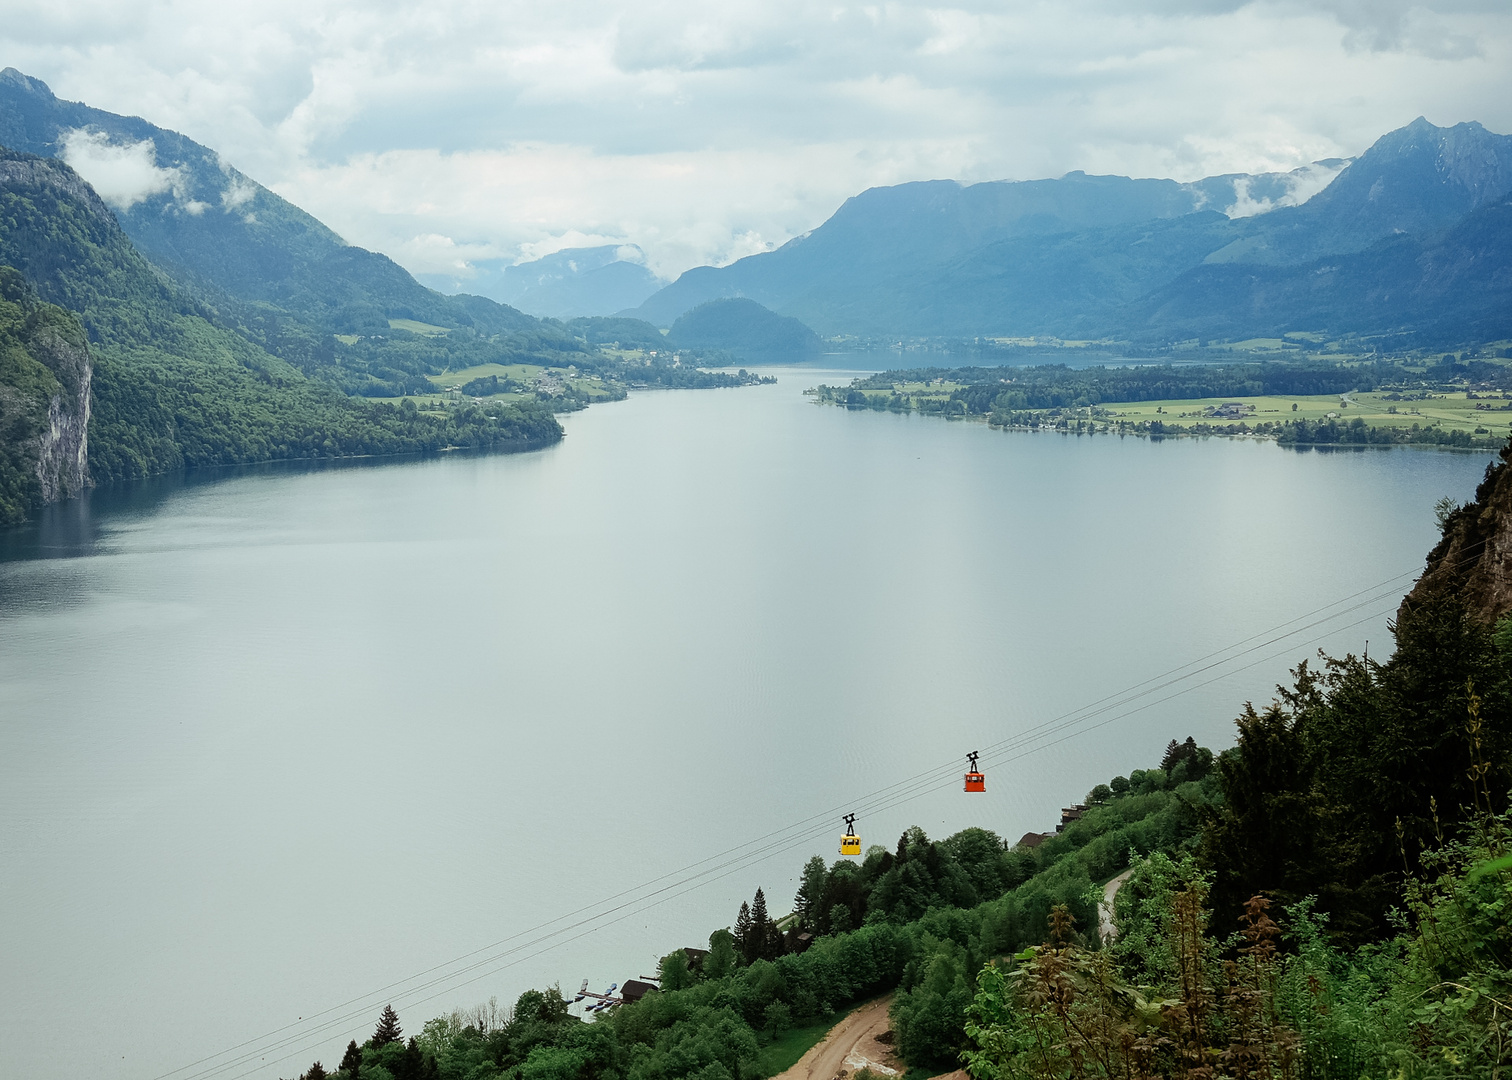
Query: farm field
(587, 388)
(1450, 411)
(416, 327)
(1473, 413)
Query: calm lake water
(279, 742)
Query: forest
(1328, 898)
(174, 384)
(187, 375)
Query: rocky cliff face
(25, 171)
(45, 377)
(63, 444)
(1474, 559)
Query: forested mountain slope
(745, 329)
(1437, 288)
(283, 279)
(207, 219)
(174, 384)
(1473, 560)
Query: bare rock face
(25, 171)
(45, 379)
(1473, 561)
(63, 444)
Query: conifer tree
(412, 1065)
(755, 934)
(351, 1061)
(388, 1029)
(743, 932)
(315, 1072)
(763, 935)
(810, 892)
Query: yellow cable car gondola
(850, 843)
(975, 781)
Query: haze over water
(275, 742)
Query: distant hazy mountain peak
(568, 283)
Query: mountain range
(568, 284)
(1409, 238)
(175, 312)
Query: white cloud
(681, 208)
(123, 175)
(432, 253)
(701, 132)
(239, 192)
(1301, 185)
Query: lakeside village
(1451, 404)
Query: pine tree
(810, 891)
(1177, 752)
(743, 932)
(351, 1061)
(412, 1065)
(388, 1029)
(755, 944)
(316, 1072)
(759, 939)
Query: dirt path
(1106, 930)
(851, 1044)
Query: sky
(457, 131)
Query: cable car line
(891, 796)
(1161, 681)
(881, 799)
(636, 898)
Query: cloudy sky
(457, 130)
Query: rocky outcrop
(63, 444)
(45, 381)
(1473, 561)
(25, 171)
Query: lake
(278, 744)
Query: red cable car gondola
(975, 781)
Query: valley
(579, 684)
(382, 674)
